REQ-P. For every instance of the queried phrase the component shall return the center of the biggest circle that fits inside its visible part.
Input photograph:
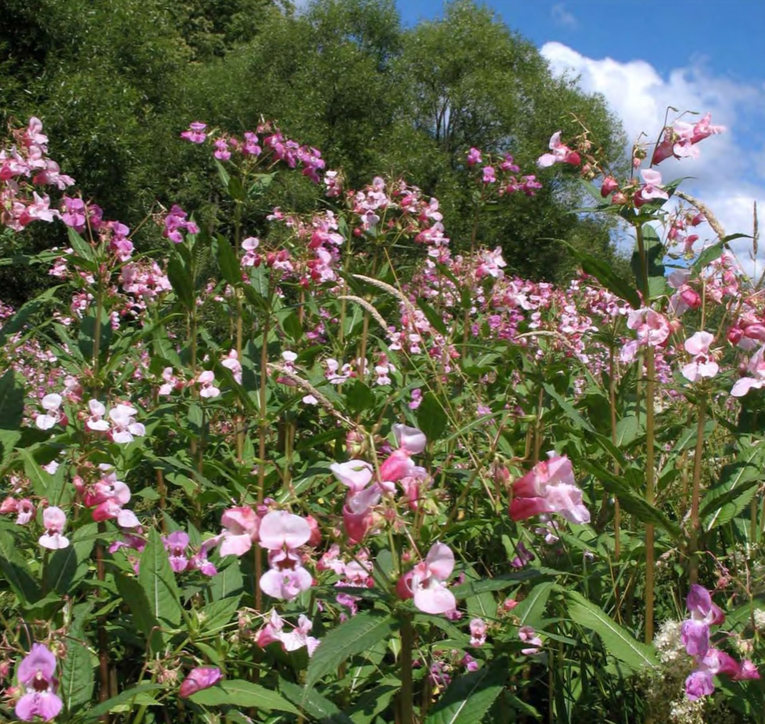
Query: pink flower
(51, 404)
(549, 487)
(37, 674)
(478, 630)
(425, 583)
(703, 364)
(195, 132)
(473, 157)
(282, 533)
(240, 529)
(651, 188)
(756, 368)
(206, 381)
(489, 175)
(680, 139)
(293, 640)
(54, 520)
(528, 635)
(202, 677)
(560, 153)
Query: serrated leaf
(181, 281)
(218, 614)
(616, 639)
(77, 669)
(470, 696)
(238, 692)
(357, 634)
(735, 490)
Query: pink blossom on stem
(426, 582)
(549, 487)
(559, 153)
(201, 677)
(37, 674)
(54, 521)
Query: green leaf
(470, 696)
(218, 614)
(77, 668)
(158, 582)
(80, 246)
(181, 281)
(11, 401)
(135, 597)
(616, 639)
(357, 634)
(431, 418)
(358, 397)
(18, 320)
(227, 261)
(605, 274)
(71, 563)
(314, 704)
(531, 609)
(435, 319)
(223, 175)
(15, 569)
(227, 581)
(124, 697)
(654, 253)
(735, 490)
(242, 693)
(631, 501)
(713, 252)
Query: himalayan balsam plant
(336, 466)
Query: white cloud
(561, 16)
(728, 175)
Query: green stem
(693, 543)
(650, 561)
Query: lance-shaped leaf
(617, 640)
(157, 580)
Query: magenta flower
(559, 153)
(37, 674)
(549, 487)
(680, 139)
(195, 132)
(202, 677)
(474, 157)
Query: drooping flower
(651, 188)
(293, 640)
(201, 677)
(703, 365)
(37, 674)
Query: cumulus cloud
(562, 17)
(729, 174)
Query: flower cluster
(710, 661)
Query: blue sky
(696, 55)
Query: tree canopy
(115, 81)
